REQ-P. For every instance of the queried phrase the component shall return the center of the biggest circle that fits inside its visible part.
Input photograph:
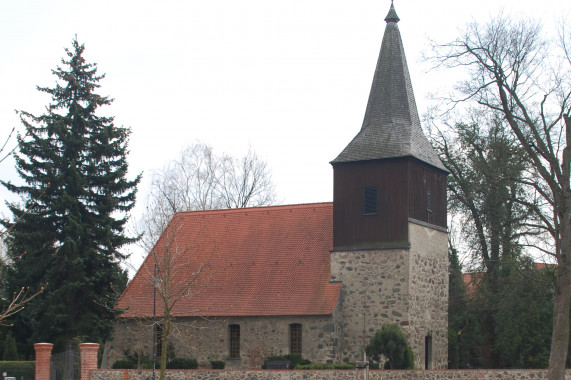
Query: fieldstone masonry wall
(428, 295)
(404, 286)
(321, 375)
(374, 292)
(208, 339)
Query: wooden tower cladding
(374, 201)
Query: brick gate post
(43, 360)
(88, 353)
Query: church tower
(389, 221)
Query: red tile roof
(256, 262)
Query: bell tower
(389, 220)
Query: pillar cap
(43, 346)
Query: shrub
(391, 342)
(217, 364)
(373, 365)
(294, 359)
(124, 364)
(182, 363)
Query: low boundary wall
(324, 374)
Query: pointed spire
(392, 15)
(391, 127)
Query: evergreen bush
(182, 363)
(391, 342)
(124, 364)
(218, 364)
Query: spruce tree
(68, 229)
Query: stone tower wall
(374, 292)
(429, 294)
(404, 286)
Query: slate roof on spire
(391, 127)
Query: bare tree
(517, 73)
(175, 276)
(245, 182)
(17, 303)
(202, 180)
(197, 180)
(188, 183)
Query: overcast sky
(290, 78)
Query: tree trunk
(164, 345)
(562, 292)
(560, 338)
(561, 304)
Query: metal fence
(66, 365)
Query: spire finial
(392, 15)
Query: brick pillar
(88, 352)
(43, 360)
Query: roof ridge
(255, 208)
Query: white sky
(290, 78)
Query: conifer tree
(10, 352)
(70, 223)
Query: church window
(295, 339)
(428, 352)
(234, 341)
(370, 200)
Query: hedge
(182, 363)
(17, 369)
(326, 366)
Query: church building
(313, 279)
